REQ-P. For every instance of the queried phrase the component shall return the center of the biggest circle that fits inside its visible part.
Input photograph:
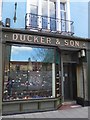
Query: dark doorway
(70, 81)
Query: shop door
(70, 82)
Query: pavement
(75, 112)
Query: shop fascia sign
(43, 40)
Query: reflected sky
(22, 53)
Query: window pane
(63, 15)
(33, 2)
(28, 73)
(62, 6)
(33, 10)
(33, 20)
(52, 16)
(45, 14)
(63, 21)
(44, 8)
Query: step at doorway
(69, 105)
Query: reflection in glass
(28, 73)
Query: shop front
(40, 71)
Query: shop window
(31, 73)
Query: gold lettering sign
(47, 40)
(66, 42)
(15, 36)
(57, 42)
(71, 43)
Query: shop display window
(28, 73)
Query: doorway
(70, 81)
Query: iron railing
(44, 23)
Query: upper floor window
(43, 14)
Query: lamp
(7, 24)
(83, 53)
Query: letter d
(15, 36)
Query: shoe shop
(40, 71)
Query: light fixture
(82, 53)
(7, 24)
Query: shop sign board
(43, 40)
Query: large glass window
(29, 73)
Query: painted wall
(8, 10)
